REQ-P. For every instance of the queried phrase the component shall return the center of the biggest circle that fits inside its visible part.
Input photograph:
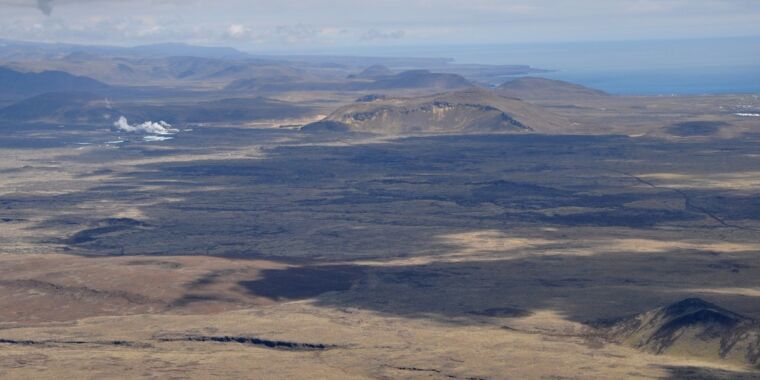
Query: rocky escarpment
(249, 340)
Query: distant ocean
(667, 81)
(663, 67)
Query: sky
(304, 25)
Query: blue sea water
(667, 81)
(661, 67)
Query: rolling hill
(373, 71)
(412, 79)
(534, 88)
(69, 107)
(21, 84)
(90, 108)
(467, 111)
(222, 110)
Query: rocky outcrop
(248, 340)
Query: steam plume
(45, 6)
(150, 127)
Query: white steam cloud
(149, 127)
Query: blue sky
(293, 25)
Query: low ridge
(373, 71)
(535, 88)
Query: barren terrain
(252, 248)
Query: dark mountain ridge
(91, 108)
(77, 107)
(22, 84)
(691, 327)
(407, 80)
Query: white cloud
(152, 138)
(374, 34)
(238, 31)
(257, 23)
(297, 33)
(150, 127)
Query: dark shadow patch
(254, 341)
(621, 217)
(210, 278)
(53, 343)
(696, 128)
(503, 312)
(702, 373)
(106, 226)
(190, 299)
(433, 372)
(157, 263)
(96, 173)
(303, 282)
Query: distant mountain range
(411, 79)
(91, 108)
(161, 64)
(459, 107)
(165, 70)
(24, 50)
